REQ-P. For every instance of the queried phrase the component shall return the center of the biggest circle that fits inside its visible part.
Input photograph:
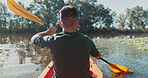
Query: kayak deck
(95, 71)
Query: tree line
(93, 17)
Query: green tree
(145, 19)
(129, 16)
(48, 10)
(92, 15)
(108, 17)
(137, 17)
(121, 21)
(86, 15)
(3, 15)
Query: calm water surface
(20, 59)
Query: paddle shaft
(104, 60)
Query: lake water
(20, 59)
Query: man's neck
(69, 29)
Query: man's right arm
(41, 39)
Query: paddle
(116, 68)
(19, 10)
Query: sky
(120, 5)
(116, 5)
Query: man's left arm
(94, 52)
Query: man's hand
(49, 31)
(98, 57)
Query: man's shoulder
(84, 36)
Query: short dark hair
(68, 11)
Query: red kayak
(95, 71)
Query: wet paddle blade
(116, 68)
(19, 10)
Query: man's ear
(77, 22)
(60, 23)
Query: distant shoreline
(89, 31)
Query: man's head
(68, 11)
(69, 16)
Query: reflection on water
(20, 59)
(114, 75)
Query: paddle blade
(116, 68)
(19, 10)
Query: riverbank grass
(140, 43)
